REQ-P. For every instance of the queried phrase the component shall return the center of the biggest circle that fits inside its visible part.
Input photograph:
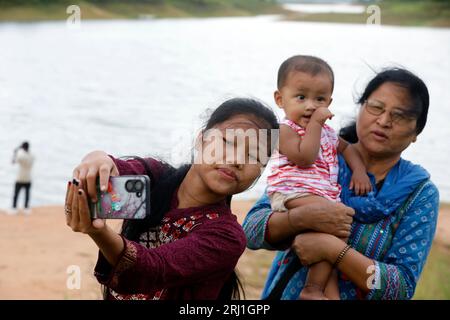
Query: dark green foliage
(243, 3)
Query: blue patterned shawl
(399, 183)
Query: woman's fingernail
(69, 183)
(75, 182)
(80, 192)
(103, 188)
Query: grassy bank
(56, 10)
(431, 13)
(434, 283)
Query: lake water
(142, 87)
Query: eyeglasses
(399, 117)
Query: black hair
(170, 179)
(348, 133)
(417, 91)
(25, 146)
(302, 63)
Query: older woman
(390, 230)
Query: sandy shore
(37, 251)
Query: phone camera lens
(129, 185)
(139, 186)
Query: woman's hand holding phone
(95, 164)
(78, 216)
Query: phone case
(122, 202)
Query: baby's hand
(360, 183)
(321, 115)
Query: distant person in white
(24, 159)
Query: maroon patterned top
(189, 255)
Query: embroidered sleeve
(135, 167)
(256, 224)
(109, 275)
(211, 250)
(397, 275)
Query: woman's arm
(275, 230)
(213, 248)
(78, 218)
(99, 164)
(396, 275)
(256, 224)
(402, 265)
(210, 251)
(315, 247)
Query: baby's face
(302, 94)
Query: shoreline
(133, 11)
(422, 13)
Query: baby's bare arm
(360, 180)
(351, 156)
(302, 152)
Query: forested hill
(28, 10)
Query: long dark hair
(418, 97)
(169, 180)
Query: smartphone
(127, 197)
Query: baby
(305, 167)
